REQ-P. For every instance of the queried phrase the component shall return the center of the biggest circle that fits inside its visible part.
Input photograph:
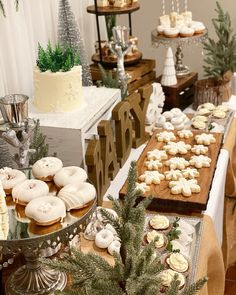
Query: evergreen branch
(195, 287)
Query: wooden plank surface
(162, 197)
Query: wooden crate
(163, 200)
(181, 94)
(141, 73)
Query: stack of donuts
(54, 191)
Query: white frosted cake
(58, 92)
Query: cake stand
(29, 239)
(179, 42)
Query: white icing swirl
(160, 222)
(167, 277)
(152, 235)
(178, 262)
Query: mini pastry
(70, 175)
(186, 31)
(171, 32)
(173, 174)
(46, 210)
(153, 164)
(168, 126)
(30, 189)
(142, 187)
(157, 155)
(114, 247)
(77, 196)
(161, 120)
(177, 262)
(205, 139)
(165, 136)
(199, 124)
(159, 222)
(200, 161)
(174, 148)
(185, 134)
(203, 112)
(151, 235)
(10, 178)
(222, 108)
(187, 17)
(168, 115)
(46, 168)
(219, 114)
(184, 187)
(177, 163)
(104, 238)
(198, 28)
(180, 126)
(168, 275)
(151, 177)
(209, 106)
(177, 120)
(200, 118)
(176, 112)
(199, 149)
(190, 173)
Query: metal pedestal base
(181, 70)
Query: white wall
(146, 19)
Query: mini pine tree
(38, 144)
(107, 78)
(136, 269)
(221, 54)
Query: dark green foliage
(57, 59)
(173, 234)
(136, 269)
(221, 54)
(110, 23)
(107, 78)
(39, 145)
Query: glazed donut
(114, 247)
(46, 210)
(30, 189)
(71, 174)
(46, 168)
(104, 238)
(10, 178)
(77, 196)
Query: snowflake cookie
(205, 139)
(151, 177)
(142, 187)
(177, 163)
(165, 136)
(174, 148)
(199, 149)
(157, 155)
(153, 164)
(185, 133)
(184, 187)
(173, 174)
(200, 161)
(190, 173)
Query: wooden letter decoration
(139, 104)
(123, 129)
(93, 160)
(109, 158)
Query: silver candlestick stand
(19, 127)
(119, 47)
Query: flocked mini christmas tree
(169, 73)
(69, 35)
(136, 268)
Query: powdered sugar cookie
(184, 187)
(200, 118)
(173, 174)
(142, 187)
(219, 114)
(199, 124)
(168, 126)
(200, 161)
(168, 115)
(153, 164)
(174, 148)
(177, 163)
(205, 138)
(203, 112)
(190, 173)
(185, 133)
(165, 136)
(199, 149)
(222, 108)
(157, 155)
(209, 106)
(151, 177)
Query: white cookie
(203, 112)
(176, 112)
(151, 177)
(153, 164)
(157, 155)
(185, 133)
(177, 163)
(199, 124)
(200, 161)
(190, 173)
(174, 148)
(168, 126)
(168, 115)
(173, 174)
(177, 120)
(219, 114)
(200, 118)
(209, 106)
(180, 126)
(142, 187)
(205, 138)
(199, 149)
(160, 121)
(222, 108)
(165, 136)
(184, 187)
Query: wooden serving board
(163, 200)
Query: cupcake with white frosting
(177, 262)
(167, 276)
(161, 242)
(160, 223)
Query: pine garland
(136, 269)
(221, 54)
